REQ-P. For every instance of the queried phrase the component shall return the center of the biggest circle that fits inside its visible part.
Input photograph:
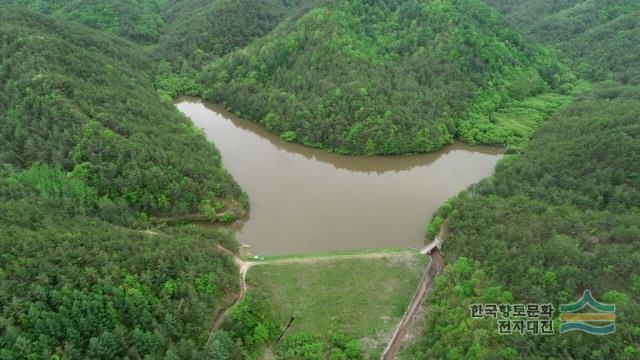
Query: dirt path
(435, 267)
(243, 267)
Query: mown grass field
(362, 296)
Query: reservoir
(309, 200)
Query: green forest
(139, 21)
(377, 77)
(559, 218)
(600, 37)
(100, 174)
(90, 158)
(82, 101)
(76, 284)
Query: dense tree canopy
(82, 101)
(201, 31)
(138, 20)
(392, 77)
(563, 216)
(89, 153)
(558, 219)
(75, 285)
(600, 36)
(93, 153)
(351, 77)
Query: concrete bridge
(436, 243)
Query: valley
(250, 179)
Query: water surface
(308, 200)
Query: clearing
(363, 295)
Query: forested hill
(366, 77)
(138, 20)
(558, 219)
(76, 284)
(601, 36)
(89, 156)
(354, 77)
(194, 31)
(199, 31)
(83, 101)
(181, 36)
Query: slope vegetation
(89, 153)
(82, 101)
(200, 31)
(375, 77)
(77, 286)
(561, 218)
(137, 20)
(600, 36)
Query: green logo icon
(571, 317)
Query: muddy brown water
(309, 200)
